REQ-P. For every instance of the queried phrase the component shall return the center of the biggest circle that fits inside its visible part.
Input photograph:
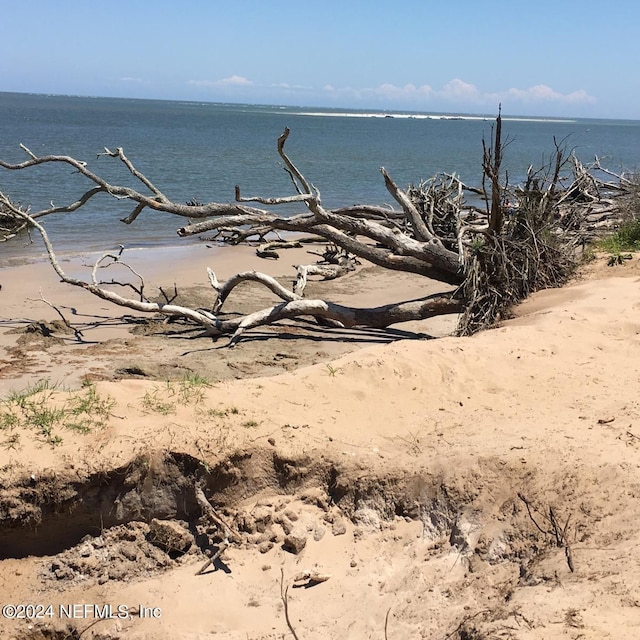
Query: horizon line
(337, 110)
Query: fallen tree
(511, 242)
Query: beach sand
(452, 488)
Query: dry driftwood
(269, 249)
(381, 245)
(495, 256)
(343, 227)
(378, 317)
(328, 272)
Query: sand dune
(449, 487)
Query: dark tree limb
(377, 317)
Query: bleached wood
(328, 272)
(223, 290)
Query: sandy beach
(444, 488)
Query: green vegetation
(626, 238)
(331, 370)
(46, 410)
(87, 410)
(218, 413)
(49, 413)
(165, 399)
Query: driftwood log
(495, 251)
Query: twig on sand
(284, 591)
(77, 332)
(221, 549)
(558, 532)
(213, 515)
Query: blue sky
(560, 58)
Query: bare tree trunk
(492, 164)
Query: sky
(561, 58)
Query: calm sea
(202, 150)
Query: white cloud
(408, 90)
(237, 81)
(290, 87)
(455, 95)
(232, 81)
(544, 93)
(457, 89)
(458, 93)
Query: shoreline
(116, 338)
(35, 252)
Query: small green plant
(165, 399)
(626, 238)
(88, 410)
(8, 421)
(34, 408)
(194, 379)
(618, 258)
(331, 370)
(476, 246)
(250, 424)
(20, 398)
(11, 442)
(156, 401)
(44, 418)
(212, 413)
(45, 409)
(191, 389)
(54, 440)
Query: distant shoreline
(428, 116)
(312, 110)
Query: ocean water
(202, 150)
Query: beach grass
(46, 410)
(626, 238)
